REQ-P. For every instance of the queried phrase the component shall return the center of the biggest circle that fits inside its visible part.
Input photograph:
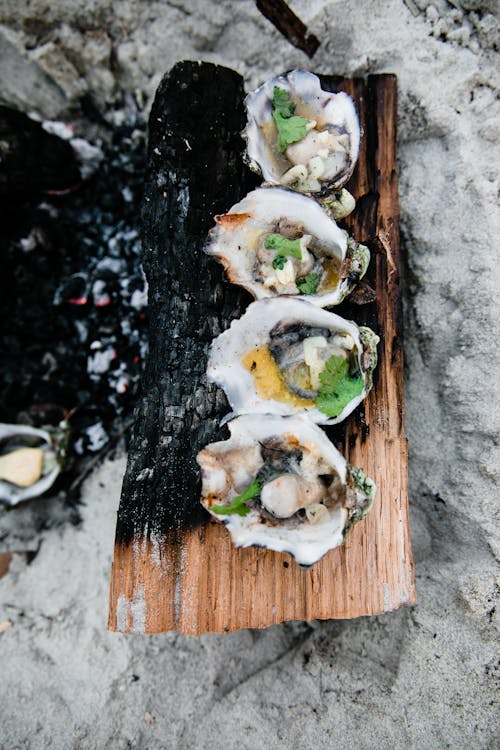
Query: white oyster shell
(236, 238)
(321, 528)
(253, 329)
(53, 446)
(330, 112)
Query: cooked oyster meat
(276, 242)
(320, 156)
(300, 135)
(302, 352)
(279, 483)
(285, 356)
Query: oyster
(285, 356)
(301, 136)
(276, 242)
(30, 460)
(278, 482)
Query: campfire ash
(73, 299)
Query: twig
(412, 7)
(290, 25)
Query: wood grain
(193, 579)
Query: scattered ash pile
(73, 297)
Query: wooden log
(173, 568)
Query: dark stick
(290, 25)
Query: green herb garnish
(279, 262)
(283, 246)
(282, 104)
(237, 504)
(309, 284)
(338, 386)
(291, 128)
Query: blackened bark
(195, 170)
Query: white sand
(421, 677)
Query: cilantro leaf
(237, 504)
(283, 246)
(338, 386)
(282, 102)
(309, 284)
(291, 128)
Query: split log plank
(174, 568)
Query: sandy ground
(418, 678)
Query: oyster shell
(302, 496)
(36, 458)
(330, 262)
(324, 157)
(273, 360)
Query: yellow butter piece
(22, 467)
(269, 382)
